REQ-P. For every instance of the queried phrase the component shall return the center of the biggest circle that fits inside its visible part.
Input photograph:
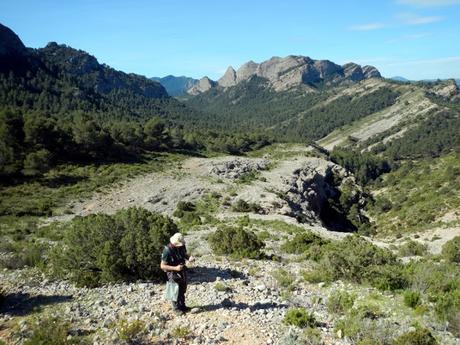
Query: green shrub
(303, 242)
(283, 278)
(413, 248)
(317, 276)
(237, 242)
(451, 250)
(182, 207)
(420, 336)
(181, 332)
(221, 287)
(412, 299)
(447, 304)
(299, 317)
(363, 326)
(340, 301)
(103, 248)
(357, 260)
(243, 206)
(51, 331)
(433, 278)
(132, 332)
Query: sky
(416, 39)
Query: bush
(102, 248)
(132, 332)
(237, 242)
(364, 330)
(243, 206)
(340, 301)
(421, 336)
(413, 248)
(357, 260)
(299, 317)
(433, 278)
(447, 304)
(412, 299)
(303, 243)
(316, 276)
(182, 207)
(451, 250)
(283, 278)
(51, 331)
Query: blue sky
(417, 39)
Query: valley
(321, 202)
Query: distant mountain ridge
(283, 73)
(176, 86)
(59, 60)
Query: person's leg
(181, 296)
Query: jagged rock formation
(203, 85)
(290, 71)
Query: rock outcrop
(229, 78)
(287, 72)
(203, 85)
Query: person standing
(173, 260)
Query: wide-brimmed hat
(177, 240)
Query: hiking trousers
(181, 279)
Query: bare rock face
(353, 72)
(246, 71)
(229, 78)
(203, 85)
(446, 89)
(290, 71)
(236, 168)
(371, 72)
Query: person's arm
(165, 267)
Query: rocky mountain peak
(371, 72)
(283, 73)
(203, 85)
(10, 44)
(229, 78)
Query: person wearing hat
(173, 261)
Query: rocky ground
(233, 302)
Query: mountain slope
(176, 86)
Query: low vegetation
(236, 242)
(299, 317)
(451, 250)
(101, 248)
(52, 331)
(417, 196)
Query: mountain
(59, 79)
(291, 71)
(176, 86)
(399, 78)
(203, 85)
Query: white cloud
(415, 19)
(367, 27)
(429, 3)
(410, 37)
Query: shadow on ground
(229, 304)
(202, 274)
(20, 304)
